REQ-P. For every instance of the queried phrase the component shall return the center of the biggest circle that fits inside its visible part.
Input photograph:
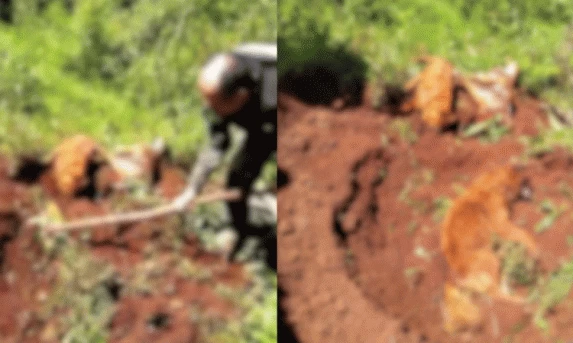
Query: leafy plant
(474, 35)
(490, 130)
(404, 130)
(259, 320)
(551, 292)
(441, 206)
(123, 74)
(82, 293)
(552, 212)
(516, 266)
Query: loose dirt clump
(361, 212)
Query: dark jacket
(258, 116)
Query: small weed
(191, 270)
(489, 131)
(428, 176)
(258, 322)
(516, 266)
(231, 294)
(82, 291)
(552, 212)
(412, 227)
(382, 174)
(404, 196)
(551, 292)
(565, 190)
(405, 192)
(403, 128)
(515, 329)
(458, 188)
(145, 277)
(547, 140)
(441, 206)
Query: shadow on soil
(317, 72)
(285, 331)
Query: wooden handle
(135, 216)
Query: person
(239, 87)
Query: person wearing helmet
(238, 87)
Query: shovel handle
(147, 214)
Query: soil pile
(159, 272)
(360, 215)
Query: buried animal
(476, 217)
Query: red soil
(27, 276)
(345, 280)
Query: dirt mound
(360, 220)
(160, 273)
(23, 277)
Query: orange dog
(434, 89)
(481, 212)
(467, 232)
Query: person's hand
(183, 201)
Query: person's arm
(208, 159)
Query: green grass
(403, 128)
(489, 131)
(81, 289)
(548, 139)
(474, 35)
(259, 320)
(517, 267)
(551, 291)
(440, 207)
(122, 74)
(551, 214)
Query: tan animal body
(475, 218)
(482, 212)
(433, 94)
(459, 310)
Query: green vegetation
(489, 131)
(259, 322)
(82, 302)
(549, 139)
(551, 212)
(121, 71)
(403, 128)
(551, 292)
(441, 206)
(474, 35)
(517, 267)
(82, 289)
